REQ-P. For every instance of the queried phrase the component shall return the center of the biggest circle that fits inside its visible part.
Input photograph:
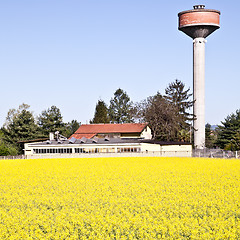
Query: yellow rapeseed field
(120, 198)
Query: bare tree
(161, 115)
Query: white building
(84, 146)
(107, 140)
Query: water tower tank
(199, 22)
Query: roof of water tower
(199, 22)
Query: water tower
(199, 23)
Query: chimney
(51, 136)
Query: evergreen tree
(5, 148)
(120, 108)
(51, 120)
(19, 126)
(71, 128)
(13, 113)
(177, 95)
(209, 136)
(228, 134)
(4, 151)
(101, 113)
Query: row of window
(107, 150)
(85, 150)
(52, 150)
(129, 149)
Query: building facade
(102, 139)
(84, 146)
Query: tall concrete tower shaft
(199, 91)
(199, 23)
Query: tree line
(20, 125)
(169, 116)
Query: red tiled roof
(90, 130)
(81, 135)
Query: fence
(215, 153)
(13, 157)
(94, 155)
(206, 153)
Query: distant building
(111, 139)
(125, 130)
(83, 146)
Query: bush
(7, 150)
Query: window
(127, 149)
(111, 150)
(69, 150)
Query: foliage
(5, 148)
(234, 144)
(14, 113)
(177, 95)
(19, 126)
(51, 120)
(184, 135)
(71, 128)
(168, 115)
(120, 107)
(101, 113)
(161, 115)
(229, 132)
(120, 198)
(210, 136)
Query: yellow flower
(120, 198)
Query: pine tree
(51, 120)
(19, 126)
(71, 128)
(228, 134)
(177, 95)
(101, 113)
(6, 148)
(120, 108)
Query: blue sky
(72, 53)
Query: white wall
(167, 150)
(177, 150)
(148, 147)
